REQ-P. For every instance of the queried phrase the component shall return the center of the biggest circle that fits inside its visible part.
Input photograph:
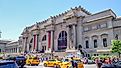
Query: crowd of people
(100, 62)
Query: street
(40, 66)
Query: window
(87, 44)
(95, 54)
(94, 27)
(103, 25)
(86, 29)
(105, 42)
(95, 43)
(44, 38)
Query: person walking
(98, 62)
(72, 62)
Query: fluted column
(68, 38)
(25, 43)
(26, 38)
(37, 46)
(52, 40)
(74, 36)
(49, 40)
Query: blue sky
(15, 15)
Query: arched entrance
(62, 41)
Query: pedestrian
(98, 62)
(75, 64)
(72, 62)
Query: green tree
(116, 47)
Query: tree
(116, 47)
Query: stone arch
(62, 41)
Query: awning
(108, 50)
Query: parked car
(107, 66)
(118, 64)
(91, 62)
(8, 64)
(11, 58)
(21, 61)
(32, 61)
(51, 63)
(66, 63)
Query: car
(51, 63)
(91, 62)
(11, 58)
(118, 64)
(66, 63)
(107, 66)
(8, 64)
(20, 60)
(32, 61)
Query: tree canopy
(116, 46)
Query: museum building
(66, 31)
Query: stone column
(74, 36)
(100, 43)
(68, 38)
(52, 40)
(48, 40)
(34, 42)
(23, 44)
(26, 38)
(37, 46)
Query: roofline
(103, 12)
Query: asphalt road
(40, 66)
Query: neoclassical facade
(66, 31)
(3, 44)
(13, 47)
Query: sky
(15, 15)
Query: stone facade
(3, 44)
(74, 27)
(13, 47)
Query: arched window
(105, 39)
(44, 38)
(62, 41)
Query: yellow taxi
(32, 61)
(51, 63)
(66, 63)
